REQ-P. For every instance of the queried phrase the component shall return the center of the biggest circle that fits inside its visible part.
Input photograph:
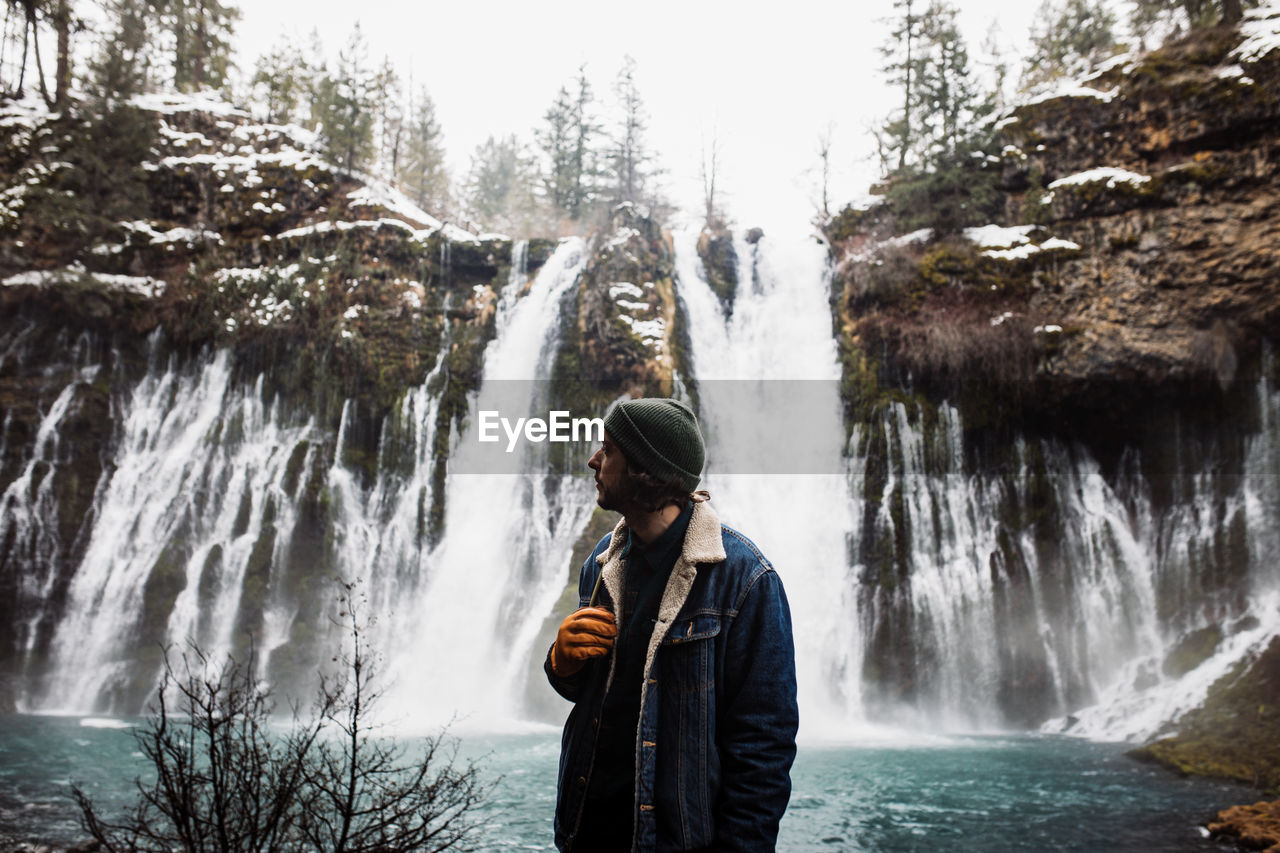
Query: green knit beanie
(660, 436)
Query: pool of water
(988, 793)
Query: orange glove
(584, 634)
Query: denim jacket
(718, 713)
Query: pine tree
(582, 192)
(566, 140)
(943, 183)
(1069, 37)
(280, 81)
(347, 106)
(498, 184)
(558, 140)
(388, 115)
(421, 170)
(901, 54)
(103, 181)
(201, 33)
(629, 159)
(1172, 16)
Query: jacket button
(582, 782)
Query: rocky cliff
(330, 291)
(1123, 308)
(1139, 246)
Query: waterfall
(1027, 584)
(196, 509)
(937, 582)
(938, 578)
(465, 649)
(33, 525)
(767, 380)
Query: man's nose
(594, 462)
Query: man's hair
(650, 493)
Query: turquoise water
(994, 793)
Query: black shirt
(607, 819)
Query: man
(679, 661)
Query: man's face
(613, 483)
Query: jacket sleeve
(570, 687)
(758, 721)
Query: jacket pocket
(700, 626)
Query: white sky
(765, 82)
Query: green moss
(1192, 650)
(1233, 734)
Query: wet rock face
(623, 336)
(720, 262)
(1158, 184)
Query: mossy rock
(1233, 735)
(1192, 650)
(720, 263)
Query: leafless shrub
(228, 780)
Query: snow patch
(189, 236)
(141, 285)
(621, 236)
(378, 194)
(999, 236)
(326, 227)
(649, 331)
(1261, 31)
(624, 288)
(1074, 90)
(1109, 174)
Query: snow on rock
(141, 285)
(188, 236)
(999, 236)
(1109, 174)
(1261, 31)
(327, 226)
(1058, 243)
(1234, 72)
(1020, 253)
(649, 331)
(624, 288)
(378, 194)
(1074, 90)
(621, 236)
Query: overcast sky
(766, 83)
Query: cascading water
(1012, 593)
(33, 524)
(191, 518)
(775, 352)
(464, 650)
(975, 591)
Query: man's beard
(620, 498)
